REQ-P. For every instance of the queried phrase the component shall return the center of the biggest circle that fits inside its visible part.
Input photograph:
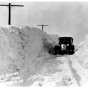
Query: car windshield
(65, 40)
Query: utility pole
(9, 11)
(42, 26)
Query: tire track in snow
(76, 76)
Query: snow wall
(21, 49)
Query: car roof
(65, 38)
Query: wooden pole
(9, 11)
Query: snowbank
(22, 49)
(82, 53)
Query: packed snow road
(62, 71)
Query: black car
(65, 46)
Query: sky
(63, 18)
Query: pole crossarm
(4, 5)
(18, 5)
(42, 25)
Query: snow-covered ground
(26, 60)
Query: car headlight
(63, 46)
(67, 44)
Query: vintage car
(65, 46)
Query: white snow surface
(25, 60)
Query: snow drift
(24, 49)
(28, 53)
(82, 53)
